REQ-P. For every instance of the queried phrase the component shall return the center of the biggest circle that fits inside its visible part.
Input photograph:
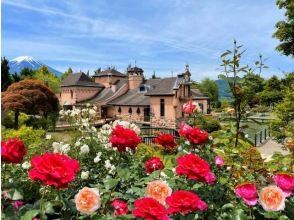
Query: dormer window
(143, 88)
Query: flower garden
(108, 173)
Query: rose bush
(107, 174)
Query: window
(71, 93)
(119, 110)
(130, 110)
(142, 89)
(138, 111)
(161, 107)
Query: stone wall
(162, 122)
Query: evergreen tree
(210, 89)
(66, 73)
(5, 76)
(26, 73)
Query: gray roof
(196, 93)
(79, 79)
(134, 97)
(108, 92)
(163, 86)
(109, 72)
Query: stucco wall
(125, 115)
(135, 81)
(78, 94)
(107, 81)
(169, 119)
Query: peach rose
(272, 198)
(87, 200)
(158, 190)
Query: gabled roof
(109, 72)
(79, 79)
(196, 94)
(163, 86)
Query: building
(130, 97)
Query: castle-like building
(130, 97)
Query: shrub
(32, 138)
(207, 123)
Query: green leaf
(226, 53)
(238, 214)
(30, 214)
(110, 183)
(228, 206)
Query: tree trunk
(16, 115)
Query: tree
(15, 77)
(66, 73)
(44, 70)
(253, 84)
(232, 69)
(284, 112)
(209, 88)
(29, 96)
(285, 29)
(5, 76)
(26, 73)
(49, 79)
(272, 92)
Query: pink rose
(17, 204)
(248, 192)
(219, 161)
(285, 181)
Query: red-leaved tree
(29, 96)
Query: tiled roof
(196, 93)
(132, 97)
(163, 86)
(109, 72)
(79, 79)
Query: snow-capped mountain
(17, 64)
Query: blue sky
(161, 35)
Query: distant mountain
(17, 64)
(223, 89)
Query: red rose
(153, 164)
(184, 202)
(120, 207)
(149, 209)
(54, 169)
(194, 168)
(167, 141)
(121, 138)
(184, 129)
(13, 151)
(197, 136)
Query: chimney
(135, 76)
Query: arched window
(119, 110)
(130, 110)
(138, 111)
(71, 93)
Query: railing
(261, 136)
(150, 139)
(153, 131)
(150, 133)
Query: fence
(261, 136)
(150, 133)
(150, 139)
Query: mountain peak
(18, 63)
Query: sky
(160, 36)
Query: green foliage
(26, 73)
(66, 73)
(209, 88)
(5, 76)
(284, 112)
(50, 79)
(32, 138)
(8, 119)
(207, 123)
(285, 28)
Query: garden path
(271, 146)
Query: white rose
(65, 148)
(85, 175)
(92, 112)
(85, 149)
(26, 165)
(48, 137)
(77, 143)
(97, 158)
